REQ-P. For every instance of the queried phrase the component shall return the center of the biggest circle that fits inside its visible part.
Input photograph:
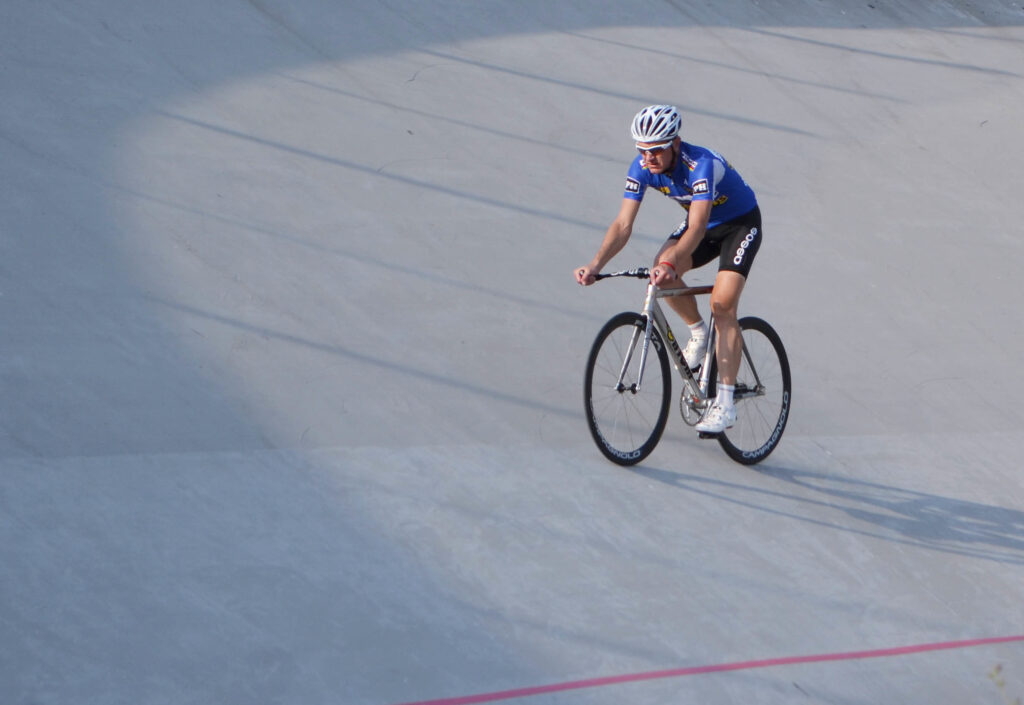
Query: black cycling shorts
(735, 243)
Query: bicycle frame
(655, 318)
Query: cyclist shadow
(872, 509)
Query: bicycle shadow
(841, 503)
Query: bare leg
(685, 306)
(725, 301)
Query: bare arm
(614, 240)
(679, 254)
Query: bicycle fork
(635, 387)
(648, 328)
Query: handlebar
(636, 272)
(645, 273)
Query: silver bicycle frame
(655, 318)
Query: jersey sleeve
(636, 181)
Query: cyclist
(722, 220)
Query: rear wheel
(626, 421)
(762, 394)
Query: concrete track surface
(292, 355)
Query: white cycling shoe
(718, 419)
(694, 352)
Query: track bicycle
(627, 390)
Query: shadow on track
(887, 512)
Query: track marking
(716, 668)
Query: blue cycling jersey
(699, 174)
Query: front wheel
(626, 420)
(763, 392)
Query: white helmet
(656, 123)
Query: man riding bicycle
(722, 220)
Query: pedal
(704, 434)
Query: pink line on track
(717, 668)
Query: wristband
(668, 264)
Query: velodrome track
(292, 355)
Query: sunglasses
(654, 149)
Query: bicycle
(627, 400)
